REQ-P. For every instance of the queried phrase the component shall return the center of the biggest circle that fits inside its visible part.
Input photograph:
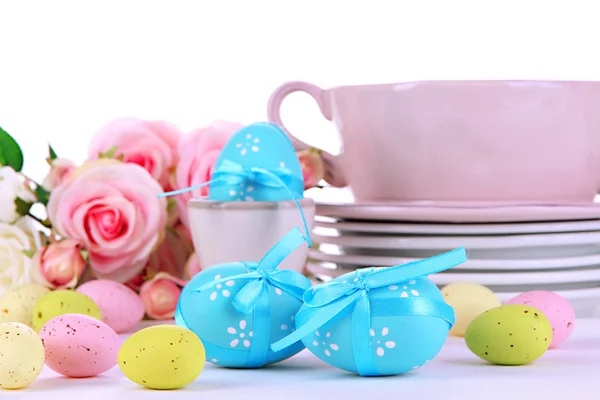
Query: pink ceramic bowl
(499, 141)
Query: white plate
(494, 278)
(459, 213)
(459, 229)
(451, 242)
(351, 261)
(495, 247)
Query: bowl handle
(333, 173)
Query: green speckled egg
(512, 334)
(17, 303)
(61, 302)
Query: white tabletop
(571, 372)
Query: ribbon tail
(320, 318)
(293, 197)
(282, 249)
(291, 282)
(188, 189)
(417, 269)
(361, 337)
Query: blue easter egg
(227, 334)
(398, 343)
(259, 145)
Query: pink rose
(160, 295)
(150, 144)
(313, 168)
(60, 170)
(113, 210)
(172, 254)
(192, 267)
(198, 152)
(59, 265)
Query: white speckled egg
(21, 355)
(469, 300)
(121, 307)
(79, 346)
(17, 303)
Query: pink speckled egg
(79, 346)
(121, 307)
(556, 308)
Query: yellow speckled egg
(17, 303)
(512, 334)
(61, 302)
(21, 355)
(162, 357)
(468, 300)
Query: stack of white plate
(511, 249)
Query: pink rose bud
(313, 168)
(160, 295)
(136, 282)
(192, 266)
(59, 265)
(60, 170)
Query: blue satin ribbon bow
(231, 173)
(333, 300)
(254, 295)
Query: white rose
(15, 265)
(11, 187)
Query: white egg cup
(225, 232)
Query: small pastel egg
(60, 302)
(468, 300)
(21, 355)
(557, 309)
(79, 346)
(17, 303)
(162, 357)
(512, 334)
(121, 307)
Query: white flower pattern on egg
(250, 143)
(285, 327)
(243, 193)
(325, 343)
(219, 288)
(406, 292)
(242, 336)
(380, 347)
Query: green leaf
(171, 203)
(42, 194)
(52, 153)
(29, 253)
(110, 153)
(23, 206)
(10, 151)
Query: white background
(67, 67)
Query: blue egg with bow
(239, 309)
(265, 163)
(377, 321)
